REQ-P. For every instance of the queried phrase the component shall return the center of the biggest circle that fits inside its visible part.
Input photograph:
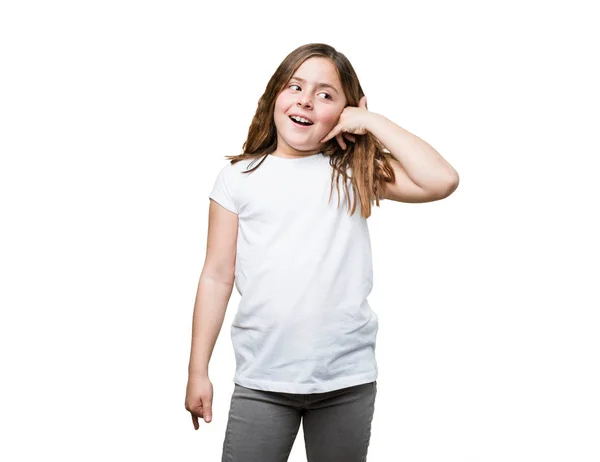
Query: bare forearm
(211, 303)
(422, 163)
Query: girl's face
(315, 93)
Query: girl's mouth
(300, 124)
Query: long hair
(367, 158)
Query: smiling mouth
(302, 124)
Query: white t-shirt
(304, 270)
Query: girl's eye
(295, 85)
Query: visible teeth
(301, 119)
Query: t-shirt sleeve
(223, 189)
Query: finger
(195, 421)
(208, 412)
(332, 133)
(340, 140)
(350, 136)
(363, 102)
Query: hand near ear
(352, 121)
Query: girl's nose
(304, 101)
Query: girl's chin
(302, 139)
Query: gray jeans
(263, 425)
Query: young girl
(304, 334)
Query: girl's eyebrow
(319, 85)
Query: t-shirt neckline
(296, 159)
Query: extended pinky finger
(340, 140)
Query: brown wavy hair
(367, 158)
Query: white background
(115, 118)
